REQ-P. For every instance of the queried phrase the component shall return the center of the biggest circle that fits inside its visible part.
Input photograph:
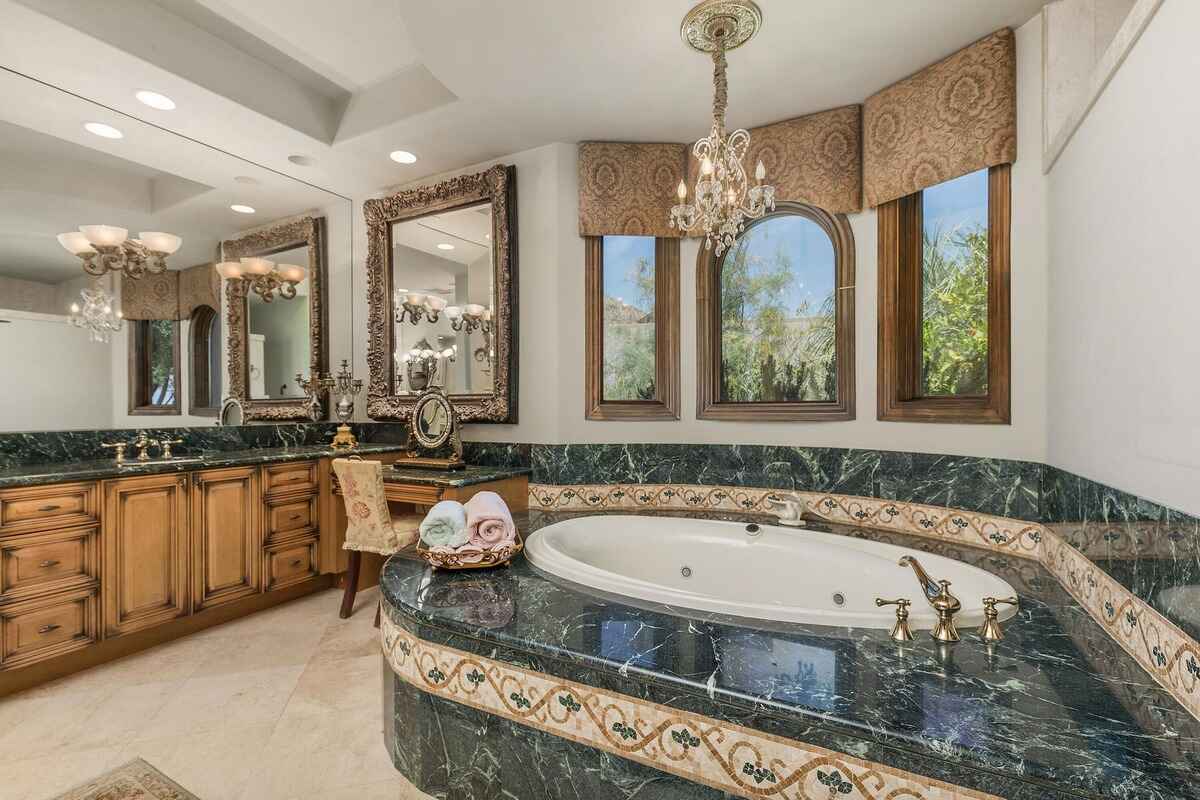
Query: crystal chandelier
(96, 315)
(725, 200)
(107, 248)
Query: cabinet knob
(48, 628)
(297, 562)
(48, 563)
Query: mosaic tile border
(1012, 536)
(1162, 649)
(726, 757)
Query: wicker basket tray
(501, 556)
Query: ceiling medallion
(725, 200)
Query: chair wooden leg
(378, 611)
(355, 562)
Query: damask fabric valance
(199, 286)
(953, 117)
(628, 189)
(151, 296)
(175, 294)
(814, 159)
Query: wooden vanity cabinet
(226, 534)
(145, 533)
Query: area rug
(136, 780)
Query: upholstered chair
(370, 525)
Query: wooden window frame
(665, 404)
(708, 333)
(199, 361)
(139, 400)
(900, 350)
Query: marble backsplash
(49, 447)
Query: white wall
(551, 272)
(54, 377)
(1124, 383)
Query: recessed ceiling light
(445, 246)
(156, 100)
(100, 129)
(241, 209)
(403, 157)
(302, 161)
(246, 180)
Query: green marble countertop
(467, 476)
(70, 471)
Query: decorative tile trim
(1126, 541)
(729, 758)
(1166, 653)
(1011, 536)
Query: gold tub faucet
(938, 594)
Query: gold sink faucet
(938, 594)
(787, 507)
(143, 443)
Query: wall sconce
(264, 277)
(415, 306)
(107, 248)
(470, 317)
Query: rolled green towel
(445, 525)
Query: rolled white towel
(445, 525)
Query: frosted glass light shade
(75, 243)
(291, 272)
(474, 310)
(161, 242)
(454, 312)
(435, 303)
(104, 235)
(257, 266)
(229, 270)
(414, 298)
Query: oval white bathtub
(780, 574)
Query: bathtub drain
(839, 599)
(686, 572)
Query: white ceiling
(54, 177)
(458, 81)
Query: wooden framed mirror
(442, 297)
(273, 335)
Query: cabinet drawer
(43, 563)
(291, 516)
(291, 563)
(47, 507)
(284, 478)
(39, 629)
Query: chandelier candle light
(96, 316)
(725, 200)
(107, 248)
(264, 277)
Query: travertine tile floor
(281, 705)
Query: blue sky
(958, 204)
(811, 254)
(621, 253)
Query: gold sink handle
(900, 631)
(119, 447)
(990, 630)
(165, 447)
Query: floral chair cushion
(369, 524)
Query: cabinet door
(145, 579)
(226, 535)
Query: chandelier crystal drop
(724, 198)
(96, 315)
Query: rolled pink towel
(489, 522)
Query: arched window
(775, 320)
(205, 378)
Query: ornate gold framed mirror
(442, 298)
(276, 318)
